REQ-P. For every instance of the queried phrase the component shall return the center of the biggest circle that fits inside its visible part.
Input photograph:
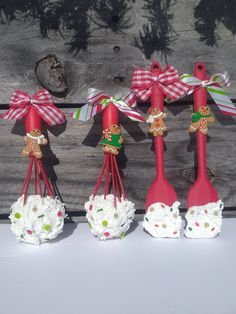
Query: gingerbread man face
(154, 111)
(115, 129)
(204, 110)
(35, 132)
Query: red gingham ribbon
(168, 81)
(21, 102)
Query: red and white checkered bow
(168, 81)
(21, 103)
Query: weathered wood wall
(100, 43)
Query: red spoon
(202, 191)
(160, 190)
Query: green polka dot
(122, 234)
(17, 215)
(116, 216)
(105, 223)
(47, 228)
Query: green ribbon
(197, 116)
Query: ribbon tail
(87, 111)
(222, 100)
(130, 113)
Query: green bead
(122, 234)
(17, 215)
(105, 223)
(47, 227)
(99, 210)
(190, 229)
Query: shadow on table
(68, 230)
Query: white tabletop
(137, 275)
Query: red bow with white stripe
(42, 101)
(168, 81)
(98, 100)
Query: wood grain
(74, 157)
(87, 33)
(100, 43)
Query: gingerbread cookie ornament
(38, 215)
(156, 119)
(33, 140)
(110, 213)
(200, 120)
(113, 140)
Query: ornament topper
(98, 100)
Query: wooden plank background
(100, 43)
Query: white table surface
(137, 275)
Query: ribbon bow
(42, 101)
(168, 81)
(98, 100)
(214, 86)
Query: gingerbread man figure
(156, 118)
(33, 141)
(112, 139)
(200, 120)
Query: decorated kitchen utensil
(204, 215)
(38, 217)
(109, 214)
(162, 217)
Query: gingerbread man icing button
(200, 120)
(156, 119)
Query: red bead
(59, 214)
(106, 234)
(90, 207)
(213, 229)
(29, 231)
(197, 224)
(205, 211)
(174, 232)
(156, 225)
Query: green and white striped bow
(214, 86)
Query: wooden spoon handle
(200, 99)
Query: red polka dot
(197, 224)
(59, 214)
(213, 229)
(205, 211)
(106, 234)
(174, 232)
(156, 225)
(29, 231)
(91, 207)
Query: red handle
(32, 120)
(200, 99)
(157, 101)
(110, 116)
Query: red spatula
(160, 190)
(204, 216)
(162, 219)
(202, 191)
